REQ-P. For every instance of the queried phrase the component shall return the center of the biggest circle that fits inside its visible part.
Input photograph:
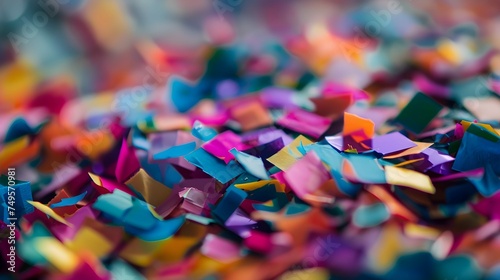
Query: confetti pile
(304, 154)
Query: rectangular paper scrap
(409, 178)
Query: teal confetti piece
(251, 164)
(367, 216)
(214, 166)
(175, 151)
(231, 200)
(418, 113)
(487, 185)
(203, 132)
(367, 168)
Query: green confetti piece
(418, 113)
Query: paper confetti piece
(69, 201)
(252, 165)
(214, 166)
(288, 155)
(250, 115)
(371, 215)
(220, 249)
(365, 168)
(475, 152)
(489, 184)
(220, 145)
(258, 184)
(202, 132)
(409, 178)
(422, 106)
(45, 209)
(153, 191)
(162, 230)
(16, 151)
(175, 151)
(229, 203)
(353, 123)
(305, 122)
(88, 240)
(420, 146)
(184, 95)
(310, 273)
(14, 195)
(421, 231)
(306, 175)
(115, 204)
(57, 254)
(127, 164)
(18, 128)
(389, 143)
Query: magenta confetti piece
(127, 164)
(305, 122)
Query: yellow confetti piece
(89, 240)
(449, 51)
(488, 127)
(57, 254)
(17, 82)
(153, 211)
(419, 231)
(9, 151)
(94, 143)
(315, 273)
(387, 248)
(411, 151)
(288, 155)
(351, 149)
(205, 266)
(140, 252)
(259, 184)
(154, 192)
(47, 210)
(409, 178)
(108, 23)
(96, 179)
(408, 162)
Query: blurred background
(85, 47)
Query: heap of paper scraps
(288, 161)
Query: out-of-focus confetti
(214, 139)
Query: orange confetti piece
(353, 123)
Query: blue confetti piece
(489, 184)
(183, 95)
(214, 166)
(203, 132)
(176, 151)
(229, 203)
(69, 201)
(21, 193)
